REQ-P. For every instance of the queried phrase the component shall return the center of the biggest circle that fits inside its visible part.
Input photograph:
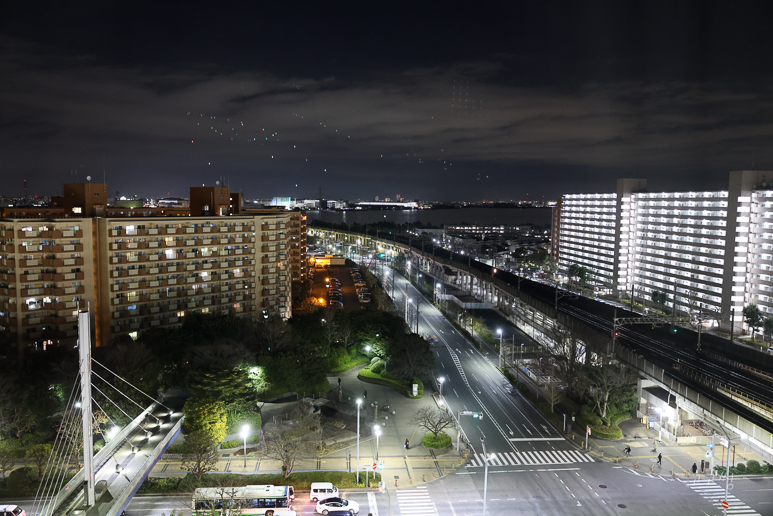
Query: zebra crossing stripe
(415, 502)
(531, 458)
(715, 493)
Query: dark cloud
(430, 103)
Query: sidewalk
(676, 458)
(401, 467)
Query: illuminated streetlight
(499, 332)
(245, 433)
(359, 402)
(377, 431)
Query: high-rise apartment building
(139, 269)
(709, 252)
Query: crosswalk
(415, 502)
(715, 493)
(534, 458)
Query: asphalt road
(532, 469)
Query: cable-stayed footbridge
(138, 435)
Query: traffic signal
(617, 334)
(674, 330)
(478, 415)
(708, 454)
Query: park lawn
(366, 375)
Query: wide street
(532, 468)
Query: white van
(322, 491)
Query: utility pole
(417, 314)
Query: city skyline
(435, 104)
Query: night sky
(437, 101)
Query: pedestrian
(339, 381)
(694, 468)
(365, 395)
(660, 459)
(407, 444)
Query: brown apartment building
(142, 268)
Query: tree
(659, 298)
(753, 317)
(433, 420)
(38, 456)
(579, 272)
(604, 383)
(273, 333)
(552, 393)
(203, 414)
(285, 444)
(567, 357)
(201, 454)
(410, 357)
(9, 456)
(767, 327)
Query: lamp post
(440, 381)
(485, 474)
(499, 332)
(377, 431)
(407, 301)
(245, 433)
(359, 402)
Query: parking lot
(339, 278)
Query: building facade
(141, 272)
(711, 253)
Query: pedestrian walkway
(534, 458)
(415, 502)
(715, 493)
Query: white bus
(265, 500)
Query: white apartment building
(710, 252)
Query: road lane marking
(536, 438)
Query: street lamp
(359, 402)
(499, 332)
(377, 431)
(441, 380)
(244, 433)
(409, 300)
(367, 349)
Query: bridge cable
(142, 409)
(111, 401)
(48, 491)
(135, 388)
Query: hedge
(301, 481)
(239, 443)
(366, 375)
(443, 440)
